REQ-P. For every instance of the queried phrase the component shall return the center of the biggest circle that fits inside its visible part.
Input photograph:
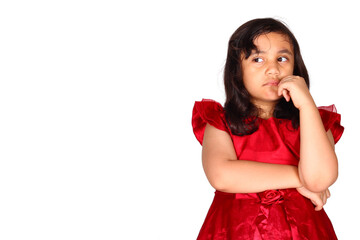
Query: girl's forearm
(318, 167)
(241, 176)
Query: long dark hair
(241, 114)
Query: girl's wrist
(309, 104)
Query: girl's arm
(226, 173)
(318, 166)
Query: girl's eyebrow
(287, 51)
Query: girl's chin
(270, 97)
(273, 97)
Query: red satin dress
(272, 214)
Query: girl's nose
(272, 69)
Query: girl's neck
(265, 115)
(266, 110)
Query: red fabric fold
(331, 120)
(207, 111)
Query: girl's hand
(295, 87)
(318, 199)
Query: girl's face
(266, 66)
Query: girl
(269, 153)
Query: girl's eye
(282, 59)
(258, 60)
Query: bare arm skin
(318, 165)
(226, 173)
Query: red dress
(273, 214)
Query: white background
(96, 100)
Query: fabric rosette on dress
(271, 197)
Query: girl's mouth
(272, 83)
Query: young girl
(269, 153)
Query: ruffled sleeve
(207, 111)
(331, 120)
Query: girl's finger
(283, 89)
(318, 207)
(328, 193)
(324, 197)
(318, 203)
(286, 95)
